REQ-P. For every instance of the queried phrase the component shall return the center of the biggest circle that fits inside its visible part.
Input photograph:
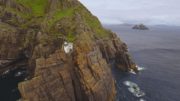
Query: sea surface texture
(157, 51)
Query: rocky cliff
(32, 36)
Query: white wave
(6, 72)
(142, 99)
(25, 79)
(140, 68)
(20, 73)
(134, 89)
(129, 83)
(132, 71)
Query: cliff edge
(35, 34)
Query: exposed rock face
(37, 36)
(52, 80)
(140, 27)
(84, 76)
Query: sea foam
(134, 89)
(140, 68)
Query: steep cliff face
(32, 32)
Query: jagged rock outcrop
(140, 27)
(34, 32)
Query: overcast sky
(135, 11)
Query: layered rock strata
(34, 33)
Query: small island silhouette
(140, 27)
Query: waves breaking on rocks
(139, 68)
(133, 87)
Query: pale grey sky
(135, 11)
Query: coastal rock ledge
(32, 35)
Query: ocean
(157, 51)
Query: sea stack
(140, 27)
(64, 48)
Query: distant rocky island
(140, 27)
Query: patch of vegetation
(55, 36)
(6, 28)
(37, 6)
(90, 20)
(14, 11)
(94, 23)
(70, 37)
(31, 22)
(96, 26)
(59, 14)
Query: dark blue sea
(156, 50)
